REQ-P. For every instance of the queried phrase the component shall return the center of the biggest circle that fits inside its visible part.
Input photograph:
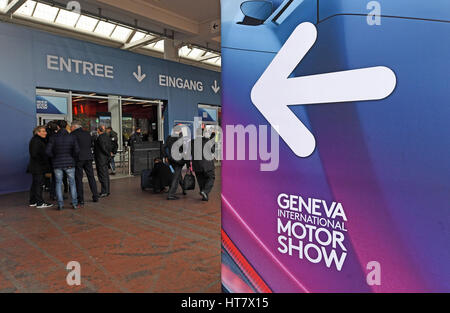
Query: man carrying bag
(176, 164)
(203, 166)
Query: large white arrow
(275, 91)
(139, 76)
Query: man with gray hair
(84, 162)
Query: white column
(170, 51)
(114, 109)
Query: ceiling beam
(131, 36)
(146, 10)
(140, 43)
(205, 57)
(13, 6)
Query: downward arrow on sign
(275, 91)
(139, 76)
(215, 87)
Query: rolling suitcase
(146, 178)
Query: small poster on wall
(51, 105)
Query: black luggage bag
(189, 180)
(146, 175)
(146, 180)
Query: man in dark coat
(161, 176)
(84, 162)
(102, 151)
(135, 139)
(63, 149)
(38, 167)
(52, 129)
(203, 165)
(177, 165)
(115, 147)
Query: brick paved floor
(133, 241)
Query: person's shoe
(33, 205)
(172, 198)
(95, 200)
(81, 203)
(113, 173)
(60, 208)
(204, 196)
(184, 193)
(44, 206)
(103, 195)
(75, 207)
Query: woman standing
(39, 166)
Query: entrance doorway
(43, 120)
(123, 113)
(145, 115)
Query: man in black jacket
(63, 149)
(102, 151)
(134, 140)
(52, 129)
(177, 163)
(115, 147)
(161, 176)
(39, 166)
(84, 162)
(203, 165)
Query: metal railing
(124, 163)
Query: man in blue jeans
(63, 149)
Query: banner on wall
(208, 114)
(51, 105)
(356, 197)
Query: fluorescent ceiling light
(3, 4)
(86, 23)
(214, 61)
(121, 33)
(159, 46)
(196, 53)
(45, 12)
(184, 51)
(67, 18)
(104, 28)
(138, 36)
(27, 8)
